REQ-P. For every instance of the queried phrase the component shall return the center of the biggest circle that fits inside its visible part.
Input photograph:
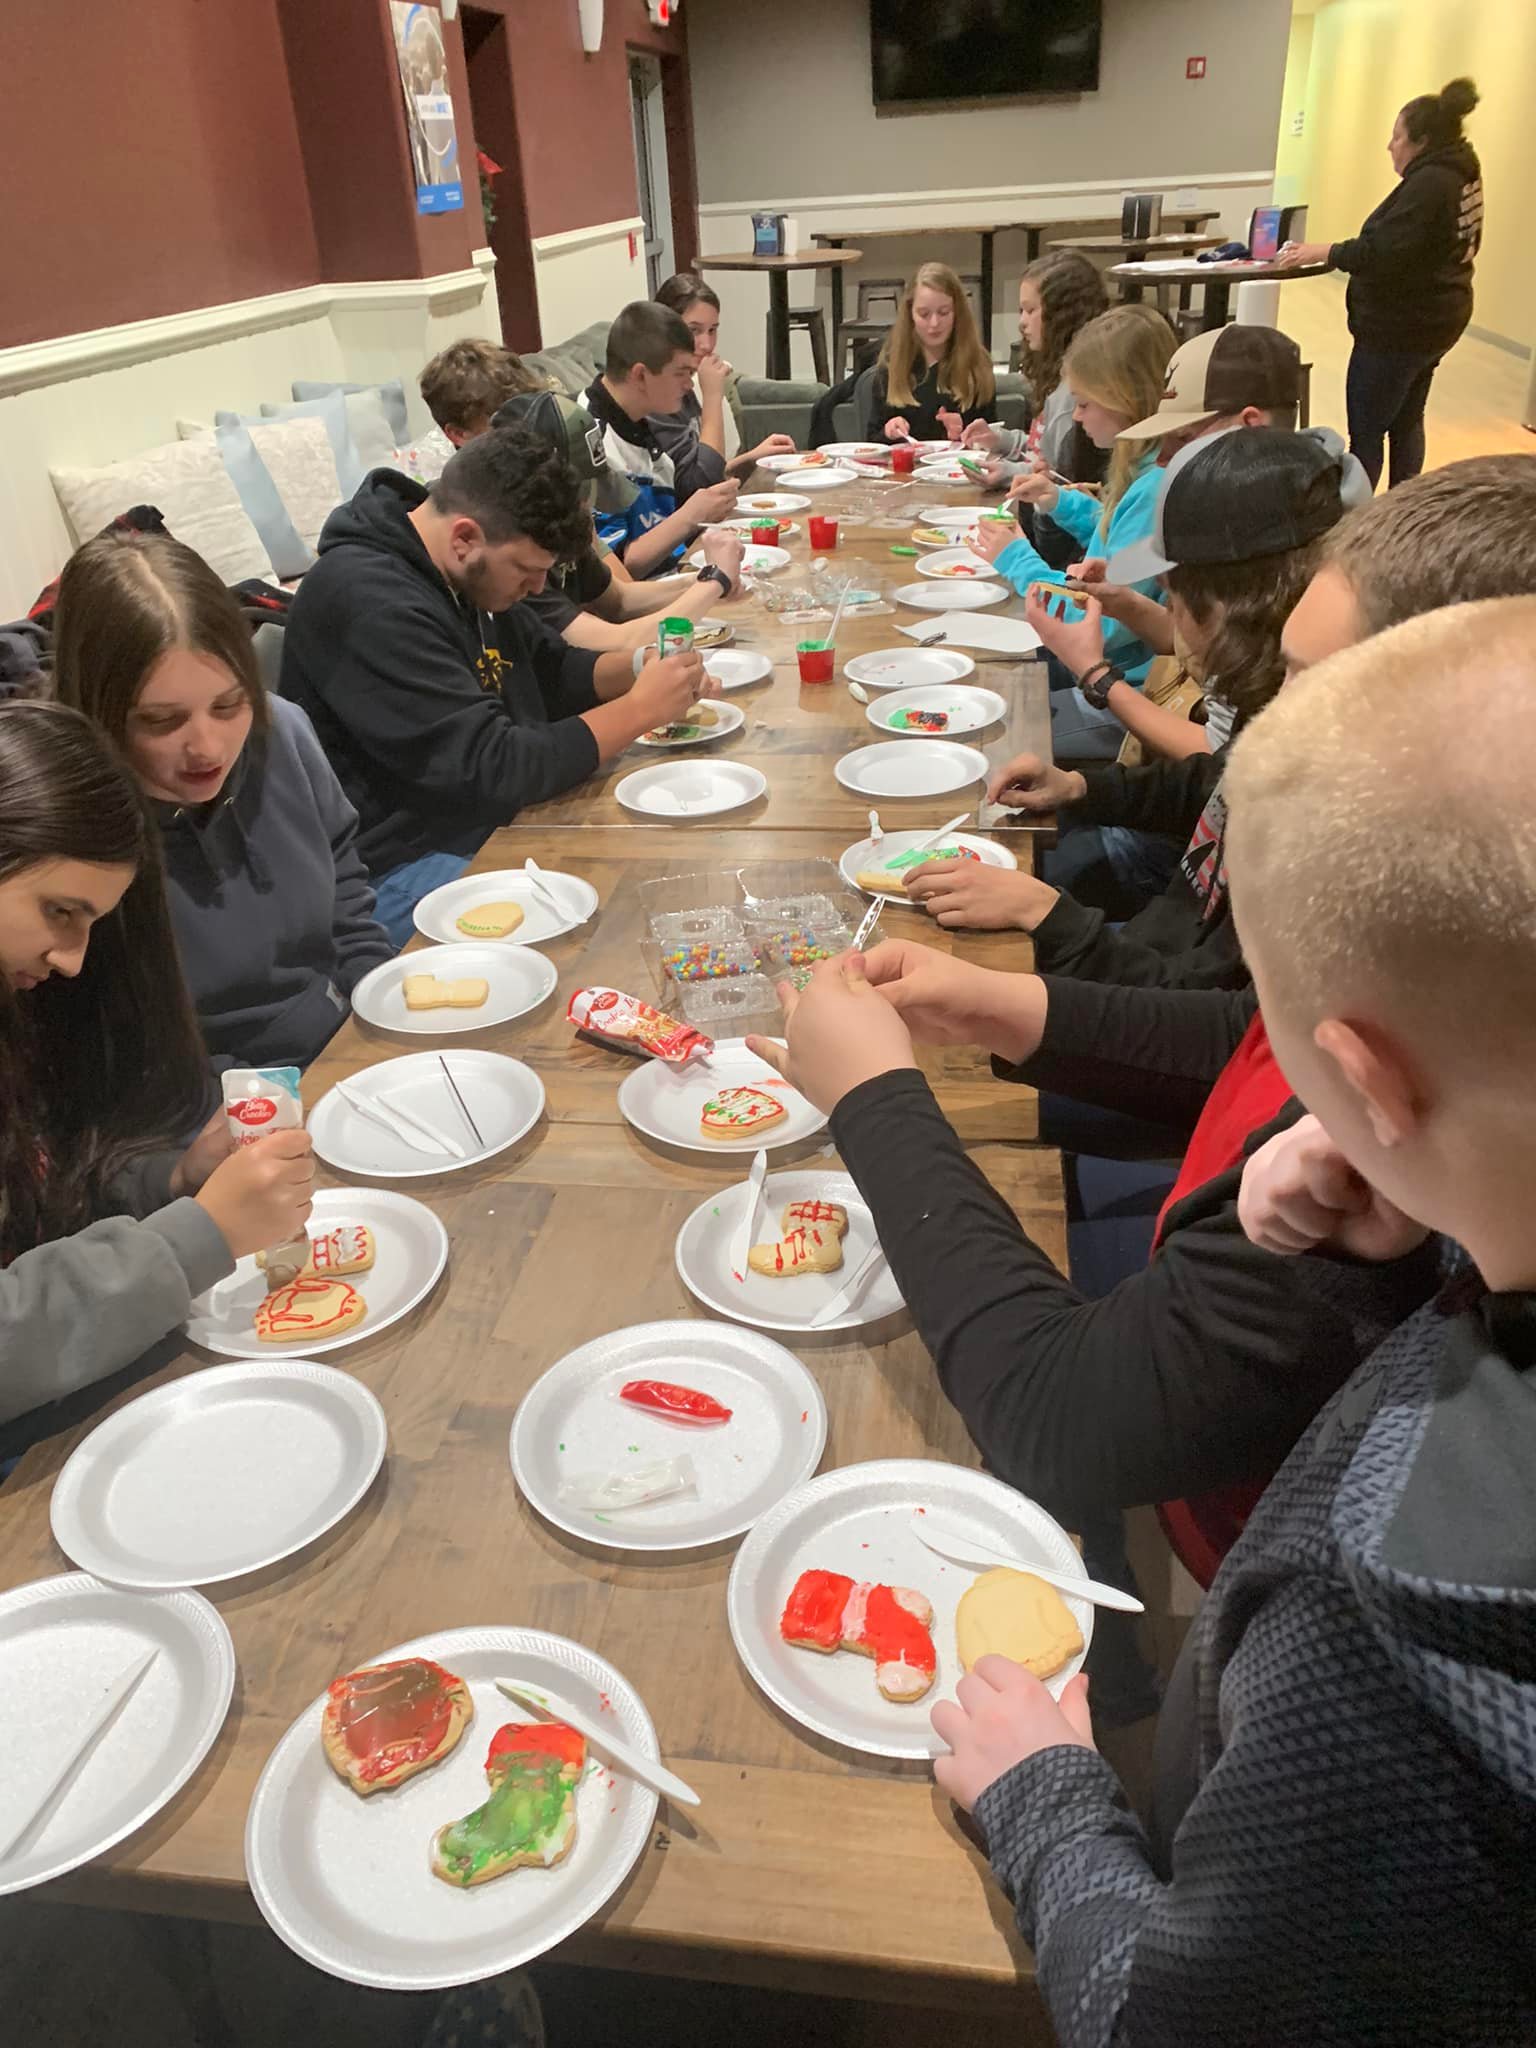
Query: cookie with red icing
(737, 1112)
(813, 1248)
(828, 1611)
(814, 1214)
(384, 1723)
(310, 1309)
(334, 1254)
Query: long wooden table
(807, 1867)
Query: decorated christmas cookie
(740, 1112)
(309, 1309)
(811, 1249)
(530, 1816)
(828, 1611)
(386, 1722)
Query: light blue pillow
(392, 393)
(332, 412)
(263, 507)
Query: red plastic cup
(765, 534)
(823, 531)
(816, 661)
(903, 459)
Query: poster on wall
(428, 107)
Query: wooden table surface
(807, 1867)
(796, 733)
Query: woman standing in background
(1410, 277)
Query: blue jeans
(1385, 396)
(1109, 867)
(1079, 733)
(397, 894)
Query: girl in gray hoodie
(107, 1228)
(269, 897)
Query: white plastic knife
(535, 875)
(643, 1768)
(963, 1549)
(396, 1122)
(741, 1242)
(842, 1301)
(938, 838)
(105, 1713)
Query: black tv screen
(929, 50)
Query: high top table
(808, 1867)
(776, 269)
(1217, 280)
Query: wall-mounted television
(929, 51)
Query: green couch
(761, 407)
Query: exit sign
(1194, 67)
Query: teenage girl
(271, 903)
(108, 1228)
(703, 439)
(933, 377)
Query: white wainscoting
(587, 274)
(727, 224)
(92, 398)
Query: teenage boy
(442, 704)
(464, 386)
(649, 369)
(1343, 1840)
(1198, 1372)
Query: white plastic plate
(666, 1102)
(703, 1255)
(505, 1098)
(435, 914)
(518, 979)
(911, 767)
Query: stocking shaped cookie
(828, 1611)
(811, 1249)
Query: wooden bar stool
(813, 321)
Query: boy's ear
(464, 533)
(1378, 1073)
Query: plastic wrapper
(623, 1021)
(731, 1009)
(630, 1486)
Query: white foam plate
(826, 479)
(690, 789)
(756, 561)
(969, 708)
(572, 1420)
(933, 447)
(505, 1098)
(411, 1250)
(665, 1102)
(952, 596)
(952, 518)
(711, 626)
(858, 451)
(218, 1474)
(946, 471)
(903, 668)
(954, 565)
(703, 1255)
(774, 502)
(728, 718)
(347, 1882)
(435, 913)
(911, 767)
(860, 1521)
(63, 1644)
(866, 854)
(733, 669)
(518, 980)
(787, 527)
(777, 464)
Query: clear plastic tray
(704, 960)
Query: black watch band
(1098, 682)
(713, 573)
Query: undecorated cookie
(1014, 1614)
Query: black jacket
(922, 416)
(1197, 1373)
(441, 722)
(1184, 938)
(1410, 266)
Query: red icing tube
(680, 1404)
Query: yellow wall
(1293, 153)
(1366, 58)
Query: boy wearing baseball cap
(1233, 376)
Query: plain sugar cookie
(1014, 1614)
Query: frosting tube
(258, 1101)
(614, 1018)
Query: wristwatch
(1098, 682)
(713, 573)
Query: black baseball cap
(1244, 493)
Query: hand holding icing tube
(263, 1108)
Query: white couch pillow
(188, 482)
(301, 463)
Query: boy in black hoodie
(443, 705)
(1410, 277)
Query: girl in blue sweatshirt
(1116, 369)
(270, 901)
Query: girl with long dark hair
(269, 896)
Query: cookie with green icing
(529, 1820)
(887, 879)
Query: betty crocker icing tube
(258, 1101)
(632, 1026)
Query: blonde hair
(1382, 838)
(1120, 361)
(964, 370)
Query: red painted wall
(151, 162)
